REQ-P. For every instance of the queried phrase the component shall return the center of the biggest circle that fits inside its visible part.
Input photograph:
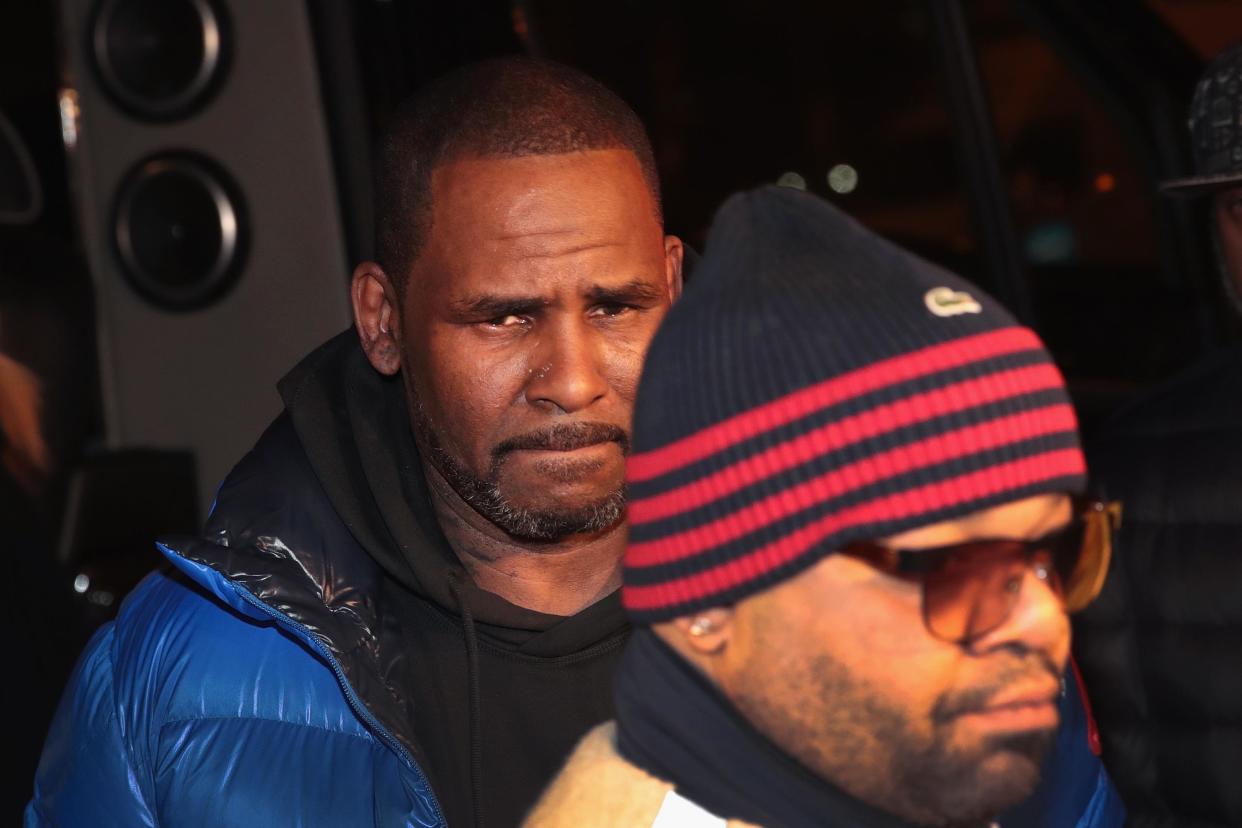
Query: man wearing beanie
(853, 545)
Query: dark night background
(1019, 142)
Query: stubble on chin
(488, 496)
(864, 744)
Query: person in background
(1161, 651)
(46, 626)
(45, 383)
(853, 545)
(28, 555)
(23, 450)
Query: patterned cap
(1215, 128)
(815, 386)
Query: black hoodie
(495, 695)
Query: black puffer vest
(1161, 650)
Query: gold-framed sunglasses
(970, 588)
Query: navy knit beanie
(817, 385)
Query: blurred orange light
(1105, 182)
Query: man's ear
(674, 259)
(377, 317)
(705, 633)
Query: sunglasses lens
(969, 589)
(1083, 554)
(975, 590)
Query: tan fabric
(597, 788)
(23, 451)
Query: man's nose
(566, 371)
(1037, 622)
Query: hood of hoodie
(354, 427)
(328, 519)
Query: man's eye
(612, 309)
(511, 320)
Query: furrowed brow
(490, 306)
(631, 292)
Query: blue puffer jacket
(242, 727)
(1075, 791)
(229, 690)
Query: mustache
(565, 437)
(975, 699)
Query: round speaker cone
(179, 231)
(159, 59)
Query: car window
(1085, 213)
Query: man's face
(1228, 209)
(836, 667)
(524, 327)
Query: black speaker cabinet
(202, 172)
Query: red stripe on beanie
(649, 464)
(938, 448)
(835, 435)
(755, 564)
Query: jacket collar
(274, 549)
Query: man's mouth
(1027, 707)
(565, 438)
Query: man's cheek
(625, 366)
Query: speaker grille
(159, 59)
(180, 230)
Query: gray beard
(485, 496)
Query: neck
(560, 577)
(673, 722)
